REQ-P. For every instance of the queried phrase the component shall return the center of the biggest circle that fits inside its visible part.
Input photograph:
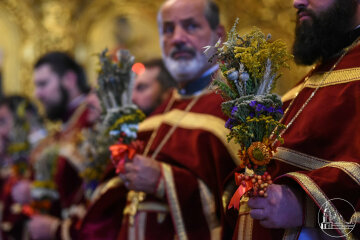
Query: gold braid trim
(65, 229)
(75, 116)
(292, 93)
(334, 78)
(309, 162)
(72, 155)
(192, 120)
(142, 219)
(173, 202)
(314, 81)
(299, 159)
(352, 169)
(106, 186)
(209, 209)
(246, 224)
(320, 198)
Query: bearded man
(316, 194)
(57, 189)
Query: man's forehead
(149, 74)
(178, 10)
(43, 71)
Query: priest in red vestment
(176, 184)
(316, 192)
(57, 188)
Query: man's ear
(69, 80)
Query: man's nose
(300, 3)
(179, 35)
(38, 94)
(134, 98)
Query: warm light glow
(138, 68)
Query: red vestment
(195, 160)
(321, 154)
(62, 147)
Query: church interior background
(30, 28)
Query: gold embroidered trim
(173, 202)
(104, 187)
(292, 93)
(160, 190)
(352, 169)
(131, 231)
(153, 207)
(291, 233)
(320, 198)
(299, 159)
(75, 117)
(249, 227)
(71, 153)
(241, 227)
(193, 120)
(65, 229)
(246, 224)
(142, 225)
(309, 162)
(334, 78)
(209, 209)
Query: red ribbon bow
(244, 187)
(120, 152)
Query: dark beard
(324, 35)
(59, 111)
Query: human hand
(141, 174)
(43, 227)
(21, 192)
(282, 208)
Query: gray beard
(185, 70)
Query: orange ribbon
(28, 210)
(244, 187)
(119, 154)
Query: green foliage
(255, 56)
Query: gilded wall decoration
(84, 27)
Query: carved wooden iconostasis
(30, 28)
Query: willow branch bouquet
(114, 138)
(249, 68)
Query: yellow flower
(244, 160)
(259, 153)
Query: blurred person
(61, 86)
(21, 129)
(152, 86)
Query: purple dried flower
(259, 108)
(252, 104)
(234, 110)
(230, 123)
(270, 109)
(279, 110)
